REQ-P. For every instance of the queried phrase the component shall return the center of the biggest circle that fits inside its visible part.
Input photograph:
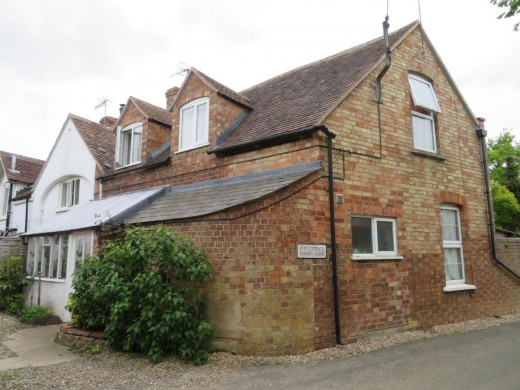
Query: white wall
(70, 158)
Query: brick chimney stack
(170, 96)
(108, 121)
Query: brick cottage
(338, 200)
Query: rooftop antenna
(388, 56)
(421, 53)
(184, 69)
(103, 102)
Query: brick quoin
(270, 302)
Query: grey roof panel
(216, 195)
(114, 209)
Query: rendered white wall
(70, 158)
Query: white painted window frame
(72, 188)
(133, 129)
(414, 93)
(193, 104)
(38, 262)
(432, 121)
(377, 254)
(457, 244)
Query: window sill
(128, 165)
(424, 153)
(192, 148)
(372, 257)
(459, 287)
(36, 278)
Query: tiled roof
(151, 111)
(302, 98)
(112, 209)
(222, 89)
(216, 195)
(27, 168)
(160, 155)
(100, 140)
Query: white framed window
(373, 237)
(424, 132)
(194, 124)
(5, 200)
(452, 245)
(48, 255)
(82, 248)
(423, 94)
(69, 193)
(129, 144)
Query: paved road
(484, 359)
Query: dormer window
(129, 144)
(194, 123)
(425, 106)
(69, 193)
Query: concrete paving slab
(35, 347)
(12, 363)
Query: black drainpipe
(26, 213)
(481, 134)
(330, 136)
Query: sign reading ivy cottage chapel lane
(311, 251)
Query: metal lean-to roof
(112, 209)
(216, 195)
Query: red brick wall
(281, 304)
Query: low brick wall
(508, 250)
(69, 335)
(11, 246)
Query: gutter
(234, 149)
(481, 134)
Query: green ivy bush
(142, 293)
(12, 280)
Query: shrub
(12, 280)
(142, 293)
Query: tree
(507, 208)
(514, 8)
(504, 165)
(504, 162)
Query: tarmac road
(483, 359)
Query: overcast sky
(61, 56)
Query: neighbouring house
(82, 151)
(339, 200)
(17, 175)
(68, 204)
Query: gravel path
(112, 370)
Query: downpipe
(481, 134)
(334, 257)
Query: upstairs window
(194, 123)
(129, 144)
(425, 105)
(5, 200)
(373, 236)
(422, 93)
(69, 195)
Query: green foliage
(507, 208)
(504, 161)
(514, 8)
(141, 292)
(89, 349)
(12, 280)
(29, 313)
